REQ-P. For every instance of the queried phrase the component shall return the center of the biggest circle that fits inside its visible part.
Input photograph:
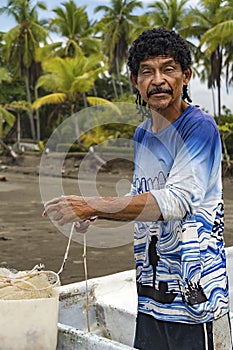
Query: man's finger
(52, 201)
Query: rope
(85, 268)
(18, 280)
(86, 280)
(67, 250)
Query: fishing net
(33, 284)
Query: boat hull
(112, 307)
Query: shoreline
(26, 238)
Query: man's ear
(133, 79)
(187, 75)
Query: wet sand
(27, 238)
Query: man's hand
(83, 225)
(66, 209)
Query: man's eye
(146, 72)
(169, 69)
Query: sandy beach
(27, 238)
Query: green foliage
(221, 32)
(226, 117)
(7, 120)
(66, 78)
(73, 24)
(5, 75)
(56, 98)
(22, 40)
(75, 69)
(12, 91)
(116, 27)
(168, 13)
(96, 136)
(19, 106)
(107, 132)
(95, 101)
(226, 132)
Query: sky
(199, 93)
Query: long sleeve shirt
(180, 261)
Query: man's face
(160, 82)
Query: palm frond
(7, 116)
(49, 99)
(95, 101)
(220, 34)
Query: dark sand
(27, 238)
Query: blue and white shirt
(180, 261)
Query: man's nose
(157, 78)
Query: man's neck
(161, 120)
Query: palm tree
(221, 33)
(168, 13)
(116, 27)
(198, 22)
(67, 79)
(73, 24)
(21, 42)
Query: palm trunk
(37, 119)
(213, 99)
(86, 111)
(130, 84)
(119, 76)
(114, 87)
(219, 104)
(18, 129)
(219, 71)
(30, 113)
(226, 155)
(95, 91)
(1, 131)
(76, 125)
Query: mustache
(159, 91)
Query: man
(176, 203)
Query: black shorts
(152, 334)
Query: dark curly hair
(159, 42)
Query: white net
(33, 284)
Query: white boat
(112, 311)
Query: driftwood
(8, 149)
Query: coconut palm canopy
(85, 60)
